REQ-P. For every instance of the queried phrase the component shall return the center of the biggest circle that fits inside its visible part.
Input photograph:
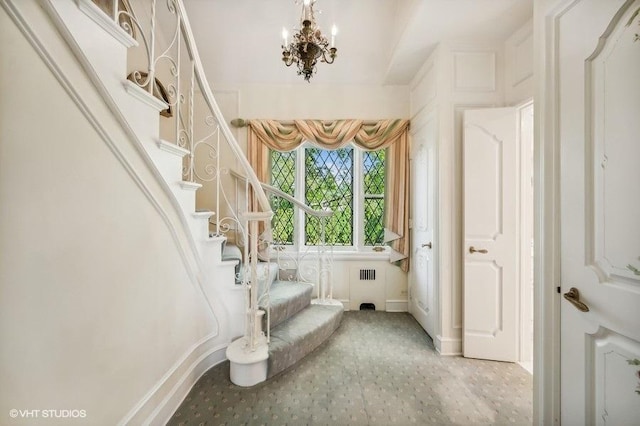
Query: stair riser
(186, 197)
(297, 338)
(280, 311)
(107, 55)
(199, 228)
(169, 166)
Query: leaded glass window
(373, 185)
(329, 183)
(348, 181)
(283, 177)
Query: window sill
(336, 254)
(361, 255)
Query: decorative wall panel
(474, 71)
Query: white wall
(96, 304)
(388, 292)
(519, 65)
(286, 102)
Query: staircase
(243, 300)
(297, 325)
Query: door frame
(525, 174)
(546, 157)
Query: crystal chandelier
(308, 44)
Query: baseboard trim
(162, 401)
(447, 346)
(397, 306)
(392, 305)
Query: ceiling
(380, 42)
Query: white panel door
(598, 126)
(490, 212)
(423, 300)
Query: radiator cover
(367, 284)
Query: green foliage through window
(329, 182)
(374, 182)
(283, 177)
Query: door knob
(573, 296)
(427, 245)
(472, 249)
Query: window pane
(283, 175)
(373, 165)
(373, 221)
(329, 183)
(374, 184)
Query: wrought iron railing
(313, 264)
(173, 72)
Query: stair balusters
(167, 46)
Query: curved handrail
(170, 55)
(262, 199)
(261, 210)
(284, 195)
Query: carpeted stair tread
(300, 335)
(287, 299)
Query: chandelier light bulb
(306, 10)
(285, 35)
(334, 31)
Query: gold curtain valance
(334, 134)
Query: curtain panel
(264, 135)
